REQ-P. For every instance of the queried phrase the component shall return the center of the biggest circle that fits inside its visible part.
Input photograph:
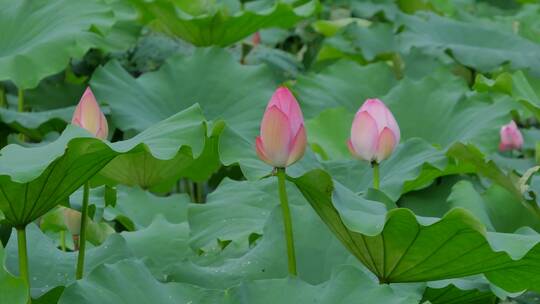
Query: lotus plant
(87, 115)
(375, 135)
(281, 143)
(511, 138)
(72, 219)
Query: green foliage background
(183, 211)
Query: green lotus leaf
(347, 285)
(414, 164)
(53, 223)
(32, 186)
(118, 283)
(181, 81)
(470, 156)
(378, 39)
(265, 257)
(50, 267)
(121, 283)
(40, 37)
(136, 208)
(475, 45)
(398, 246)
(520, 86)
(440, 123)
(220, 25)
(36, 125)
(497, 208)
(469, 290)
(14, 290)
(173, 245)
(239, 93)
(343, 84)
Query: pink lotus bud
(88, 115)
(283, 136)
(511, 137)
(374, 132)
(72, 219)
(256, 39)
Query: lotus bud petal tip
(88, 115)
(283, 139)
(374, 132)
(511, 138)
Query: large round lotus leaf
(413, 160)
(130, 282)
(205, 23)
(472, 44)
(434, 108)
(136, 208)
(31, 186)
(398, 246)
(239, 93)
(172, 240)
(40, 37)
(50, 267)
(120, 283)
(343, 84)
(238, 96)
(35, 125)
(497, 208)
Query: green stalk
(23, 258)
(82, 236)
(3, 101)
(20, 101)
(20, 108)
(63, 240)
(287, 222)
(199, 192)
(376, 176)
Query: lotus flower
(374, 132)
(256, 39)
(88, 115)
(283, 136)
(72, 219)
(511, 137)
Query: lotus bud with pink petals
(88, 115)
(375, 133)
(511, 138)
(72, 219)
(283, 137)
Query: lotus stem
(287, 222)
(63, 240)
(82, 235)
(376, 175)
(20, 108)
(20, 100)
(3, 101)
(23, 258)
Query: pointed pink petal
(386, 144)
(88, 115)
(285, 101)
(511, 137)
(276, 136)
(298, 146)
(382, 116)
(103, 130)
(259, 147)
(351, 147)
(364, 136)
